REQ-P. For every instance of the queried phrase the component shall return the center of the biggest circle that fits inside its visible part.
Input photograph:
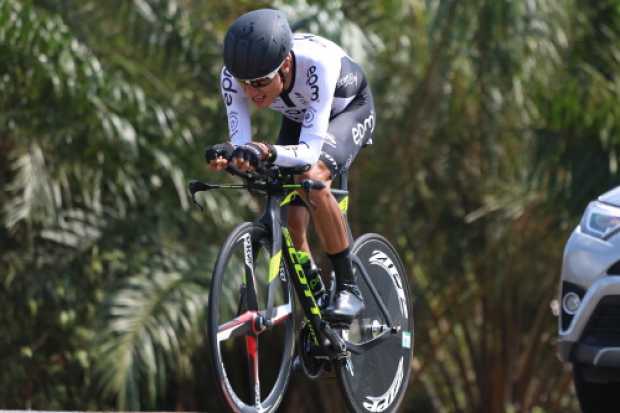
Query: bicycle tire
(232, 324)
(377, 379)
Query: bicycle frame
(282, 247)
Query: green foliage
(96, 152)
(497, 122)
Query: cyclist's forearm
(237, 109)
(297, 155)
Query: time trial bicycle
(251, 323)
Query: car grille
(603, 329)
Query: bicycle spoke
(251, 345)
(237, 327)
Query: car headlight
(570, 303)
(601, 220)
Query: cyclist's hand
(247, 157)
(217, 156)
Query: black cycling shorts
(348, 132)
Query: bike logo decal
(247, 248)
(359, 131)
(274, 265)
(381, 403)
(257, 394)
(299, 271)
(406, 340)
(379, 258)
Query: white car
(589, 305)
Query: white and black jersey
(328, 111)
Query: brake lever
(195, 186)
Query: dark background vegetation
(497, 121)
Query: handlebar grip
(233, 170)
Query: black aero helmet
(257, 43)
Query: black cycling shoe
(346, 305)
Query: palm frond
(32, 188)
(149, 323)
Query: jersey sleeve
(320, 77)
(237, 109)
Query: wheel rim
(252, 361)
(376, 380)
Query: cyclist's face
(265, 95)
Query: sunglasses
(261, 81)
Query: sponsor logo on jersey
(233, 123)
(359, 131)
(309, 117)
(313, 78)
(227, 88)
(348, 80)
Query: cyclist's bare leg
(298, 219)
(327, 217)
(331, 228)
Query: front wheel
(375, 377)
(251, 348)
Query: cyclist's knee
(319, 172)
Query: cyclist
(328, 115)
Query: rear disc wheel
(375, 378)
